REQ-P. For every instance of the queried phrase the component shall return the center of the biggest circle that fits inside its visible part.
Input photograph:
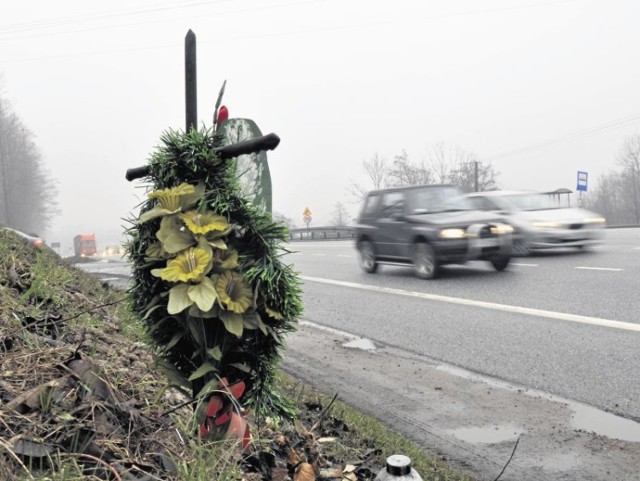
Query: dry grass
(80, 399)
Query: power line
(161, 20)
(54, 22)
(567, 137)
(125, 13)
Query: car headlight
(452, 234)
(594, 220)
(501, 229)
(547, 225)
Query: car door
(392, 237)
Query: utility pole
(475, 164)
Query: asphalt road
(560, 322)
(545, 323)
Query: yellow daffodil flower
(189, 266)
(205, 222)
(224, 260)
(173, 200)
(233, 292)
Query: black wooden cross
(266, 142)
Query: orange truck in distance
(84, 245)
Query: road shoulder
(471, 421)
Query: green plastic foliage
(207, 272)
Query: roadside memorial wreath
(208, 278)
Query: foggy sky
(337, 80)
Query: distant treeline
(617, 193)
(27, 190)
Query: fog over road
(476, 360)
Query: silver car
(540, 222)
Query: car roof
(409, 187)
(500, 193)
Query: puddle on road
(606, 424)
(585, 418)
(491, 434)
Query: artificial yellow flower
(273, 313)
(225, 259)
(173, 236)
(170, 198)
(234, 292)
(155, 251)
(190, 266)
(205, 222)
(173, 200)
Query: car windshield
(532, 202)
(430, 200)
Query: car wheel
(424, 261)
(500, 263)
(368, 257)
(521, 248)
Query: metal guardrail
(322, 233)
(348, 232)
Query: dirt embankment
(80, 398)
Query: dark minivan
(428, 226)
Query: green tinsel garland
(252, 357)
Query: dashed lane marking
(612, 269)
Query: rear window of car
(370, 205)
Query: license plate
(490, 242)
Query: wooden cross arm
(266, 142)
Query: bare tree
(607, 198)
(404, 172)
(439, 158)
(629, 160)
(28, 196)
(279, 217)
(454, 165)
(616, 194)
(444, 165)
(340, 215)
(377, 172)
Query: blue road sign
(582, 181)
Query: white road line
(596, 321)
(523, 265)
(613, 269)
(319, 255)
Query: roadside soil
(474, 423)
